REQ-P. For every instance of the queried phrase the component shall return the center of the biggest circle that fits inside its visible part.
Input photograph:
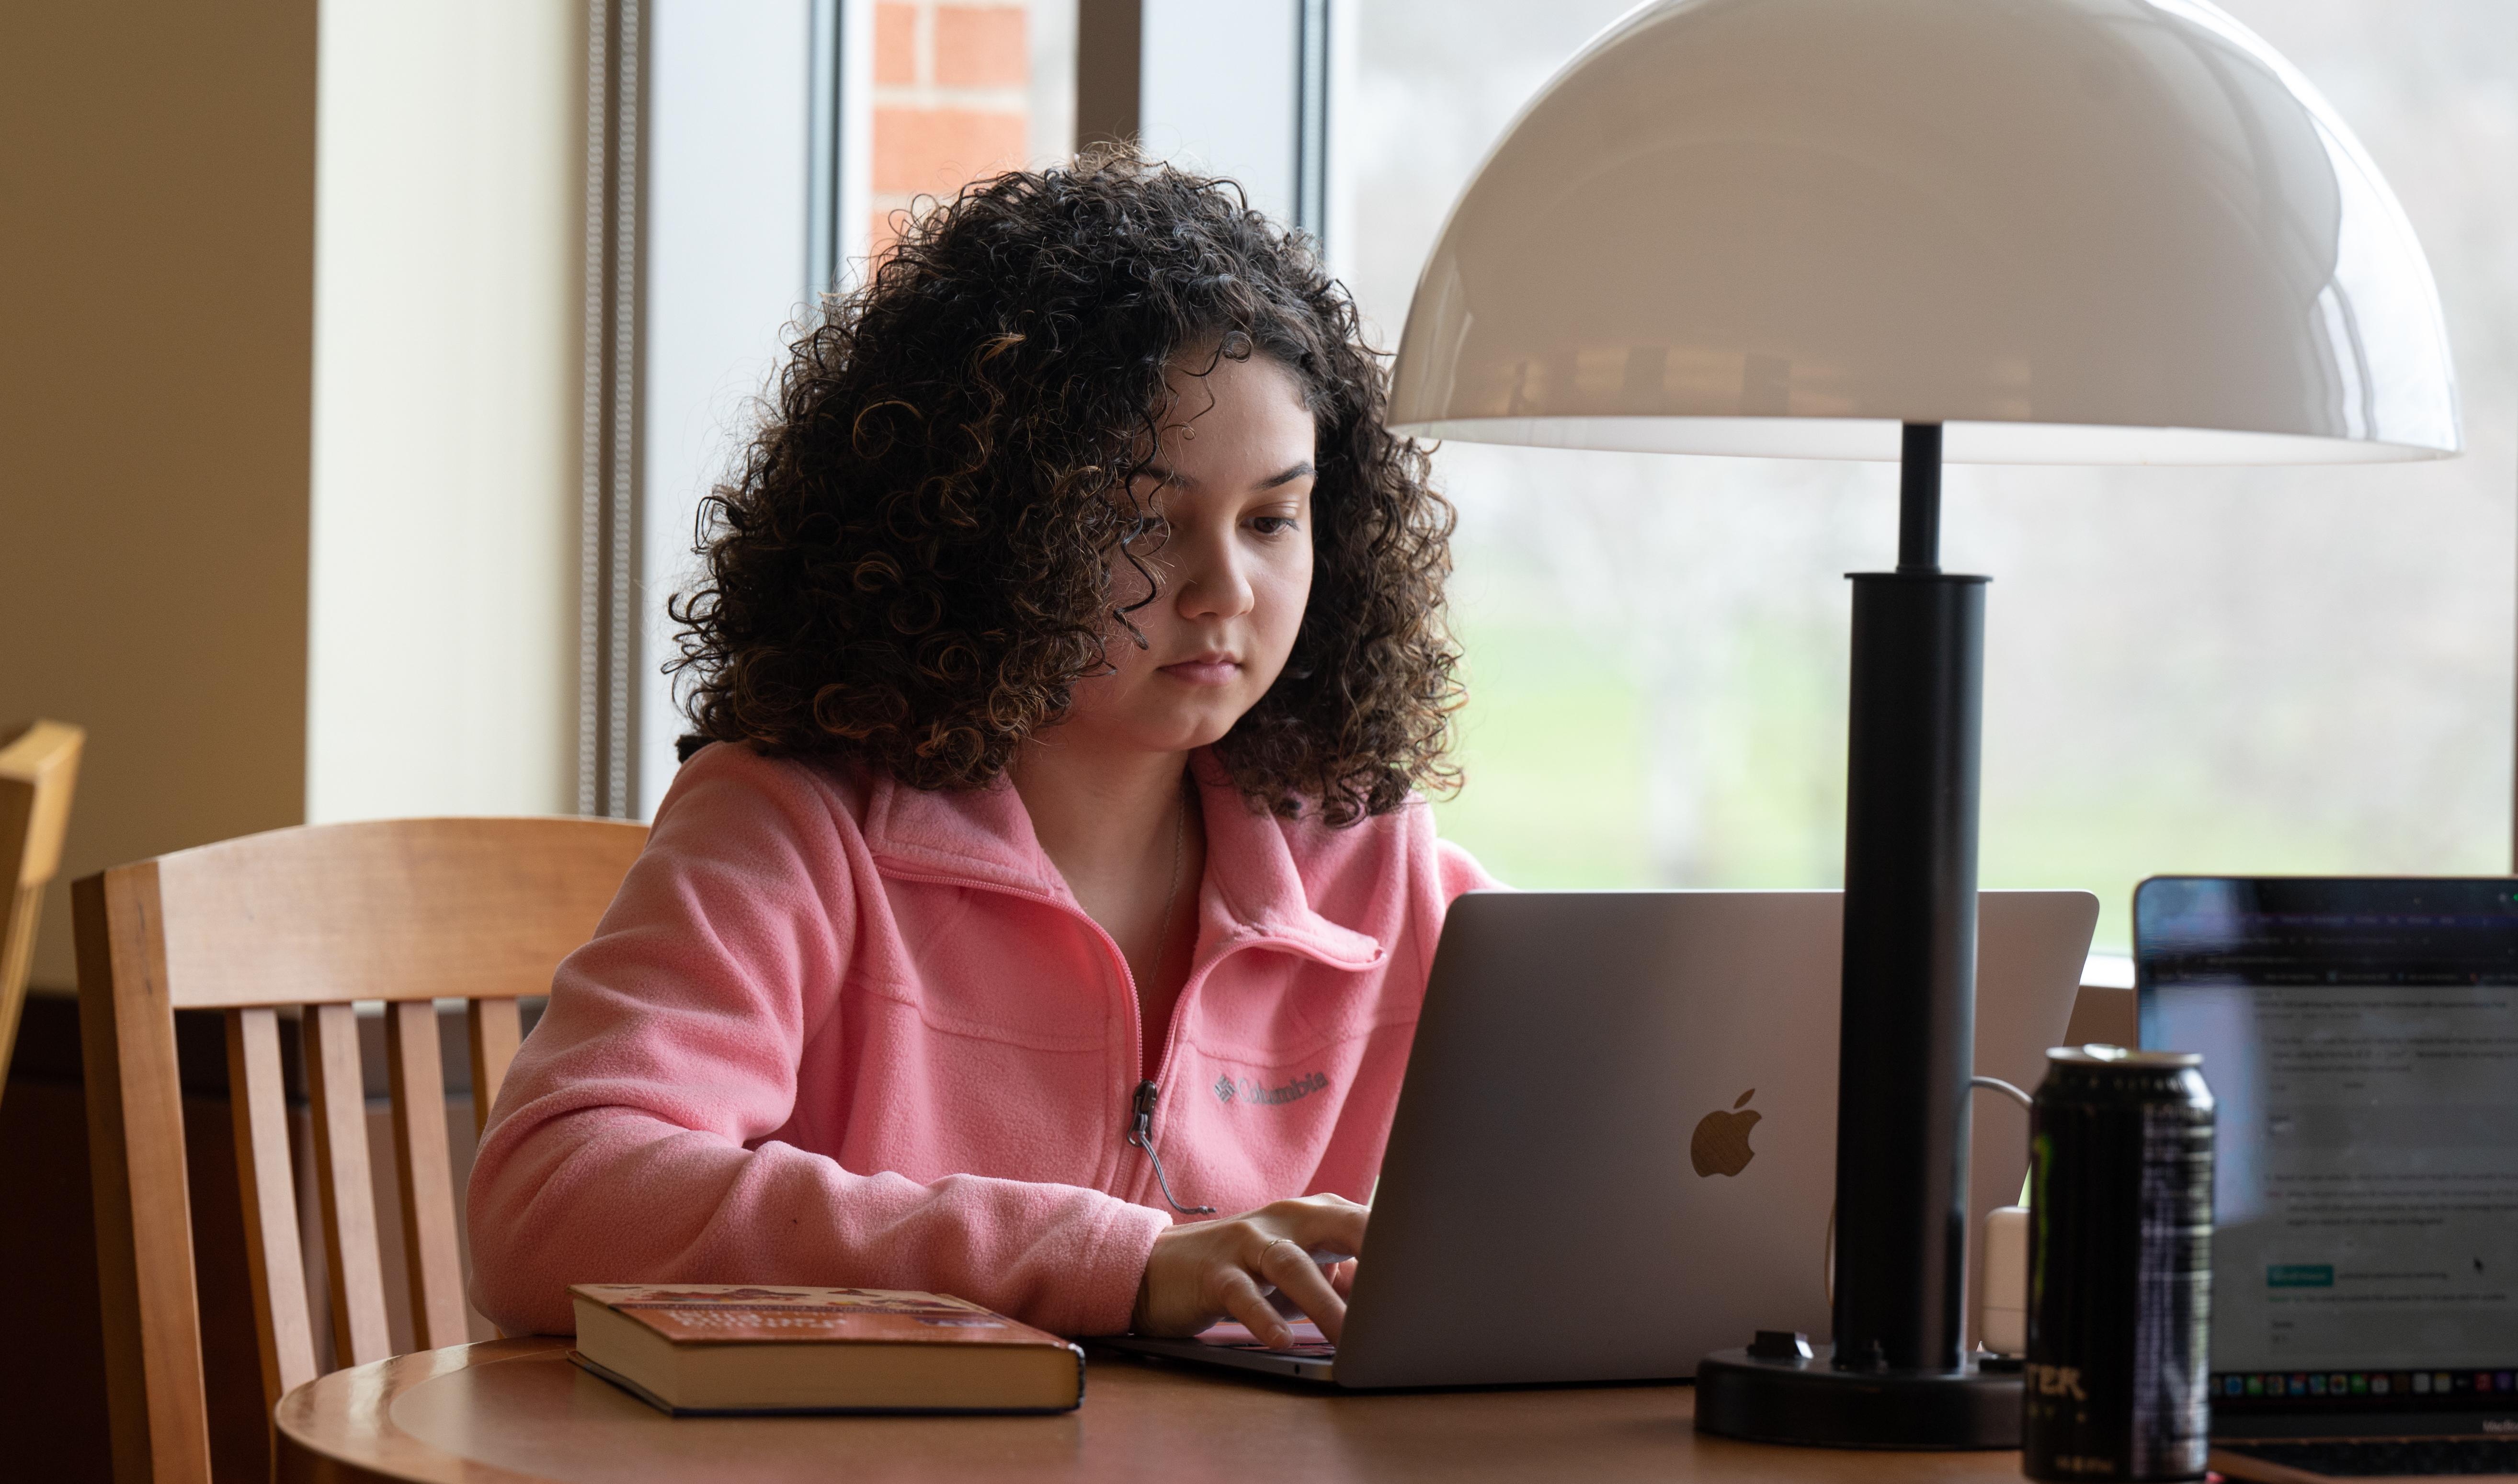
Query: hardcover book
(703, 1349)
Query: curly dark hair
(914, 567)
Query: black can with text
(2119, 1267)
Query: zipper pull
(1140, 1133)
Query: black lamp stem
(1909, 1007)
(1896, 1376)
(1919, 498)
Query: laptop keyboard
(2381, 1458)
(1298, 1352)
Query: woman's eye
(1271, 525)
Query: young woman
(1044, 917)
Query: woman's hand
(1204, 1271)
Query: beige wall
(253, 392)
(156, 324)
(449, 272)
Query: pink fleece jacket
(839, 1031)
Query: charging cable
(1827, 1254)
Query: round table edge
(338, 1428)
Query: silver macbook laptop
(2361, 1037)
(1646, 1080)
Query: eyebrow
(1163, 475)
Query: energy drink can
(2119, 1267)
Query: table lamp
(1984, 230)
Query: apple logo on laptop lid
(1720, 1145)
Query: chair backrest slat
(399, 910)
(156, 1401)
(20, 911)
(418, 1077)
(344, 1185)
(258, 1096)
(38, 765)
(495, 1032)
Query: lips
(1205, 669)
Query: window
(768, 146)
(730, 181)
(2276, 670)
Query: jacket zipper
(1140, 1133)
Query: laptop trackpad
(1308, 1341)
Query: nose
(1210, 578)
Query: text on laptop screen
(2362, 1039)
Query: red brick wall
(949, 100)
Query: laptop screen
(2361, 1037)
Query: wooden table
(515, 1410)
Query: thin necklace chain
(1141, 1134)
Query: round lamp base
(1810, 1403)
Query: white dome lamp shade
(2068, 230)
(1995, 231)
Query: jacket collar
(1254, 895)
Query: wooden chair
(317, 917)
(38, 767)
